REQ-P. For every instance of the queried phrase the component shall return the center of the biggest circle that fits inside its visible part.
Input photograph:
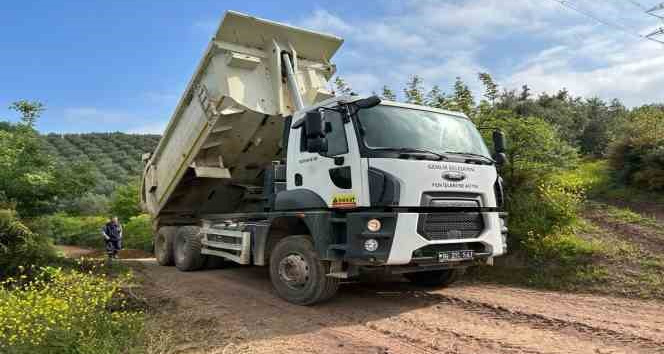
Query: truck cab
(417, 185)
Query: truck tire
(297, 273)
(187, 247)
(438, 278)
(163, 246)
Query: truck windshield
(387, 127)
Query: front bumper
(399, 239)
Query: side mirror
(500, 158)
(315, 128)
(499, 142)
(367, 102)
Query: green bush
(125, 202)
(66, 312)
(637, 159)
(89, 204)
(551, 207)
(71, 230)
(541, 196)
(19, 246)
(534, 149)
(138, 233)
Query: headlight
(371, 245)
(374, 225)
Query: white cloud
(537, 42)
(323, 21)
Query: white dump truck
(261, 164)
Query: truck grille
(450, 226)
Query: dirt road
(234, 310)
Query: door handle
(339, 160)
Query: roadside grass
(588, 255)
(625, 215)
(629, 194)
(587, 260)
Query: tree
(29, 110)
(463, 97)
(30, 178)
(125, 202)
(637, 157)
(414, 91)
(388, 94)
(341, 87)
(438, 99)
(525, 93)
(594, 139)
(490, 87)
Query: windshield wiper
(484, 158)
(405, 150)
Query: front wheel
(439, 278)
(297, 273)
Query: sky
(122, 65)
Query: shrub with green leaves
(138, 233)
(637, 159)
(20, 246)
(537, 200)
(71, 230)
(125, 201)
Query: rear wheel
(298, 274)
(187, 246)
(439, 278)
(163, 245)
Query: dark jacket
(113, 231)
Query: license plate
(453, 256)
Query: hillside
(116, 156)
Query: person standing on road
(112, 232)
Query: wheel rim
(294, 271)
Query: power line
(655, 10)
(620, 27)
(638, 4)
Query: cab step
(227, 241)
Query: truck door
(334, 175)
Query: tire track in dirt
(498, 333)
(242, 314)
(316, 323)
(539, 321)
(644, 318)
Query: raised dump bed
(228, 124)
